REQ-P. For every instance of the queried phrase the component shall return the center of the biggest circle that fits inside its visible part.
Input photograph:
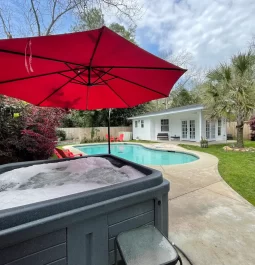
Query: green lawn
(236, 168)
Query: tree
(252, 127)
(128, 34)
(185, 90)
(119, 116)
(99, 118)
(90, 19)
(94, 18)
(230, 90)
(181, 97)
(44, 17)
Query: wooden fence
(231, 129)
(81, 133)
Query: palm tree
(230, 91)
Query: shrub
(31, 135)
(39, 136)
(61, 134)
(10, 128)
(94, 140)
(252, 127)
(84, 140)
(203, 143)
(98, 139)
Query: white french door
(210, 130)
(189, 130)
(184, 130)
(192, 129)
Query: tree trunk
(239, 135)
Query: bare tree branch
(36, 18)
(29, 22)
(6, 30)
(54, 19)
(53, 9)
(120, 6)
(40, 17)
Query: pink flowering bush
(27, 132)
(39, 137)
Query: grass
(236, 168)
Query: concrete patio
(208, 220)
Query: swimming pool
(140, 154)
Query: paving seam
(224, 195)
(194, 190)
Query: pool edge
(76, 151)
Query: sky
(211, 30)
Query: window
(210, 129)
(165, 125)
(207, 132)
(142, 123)
(136, 124)
(184, 129)
(219, 127)
(192, 129)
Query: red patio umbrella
(86, 71)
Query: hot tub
(80, 229)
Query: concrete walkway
(209, 221)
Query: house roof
(169, 111)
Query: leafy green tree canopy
(182, 97)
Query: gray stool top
(146, 246)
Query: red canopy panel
(87, 70)
(113, 50)
(73, 47)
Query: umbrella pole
(109, 135)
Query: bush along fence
(90, 134)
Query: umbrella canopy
(87, 70)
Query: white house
(183, 123)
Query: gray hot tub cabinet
(80, 229)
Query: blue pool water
(139, 154)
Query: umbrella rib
(77, 81)
(95, 48)
(40, 57)
(56, 90)
(112, 90)
(143, 67)
(129, 81)
(41, 75)
(99, 83)
(85, 82)
(102, 75)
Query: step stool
(145, 246)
